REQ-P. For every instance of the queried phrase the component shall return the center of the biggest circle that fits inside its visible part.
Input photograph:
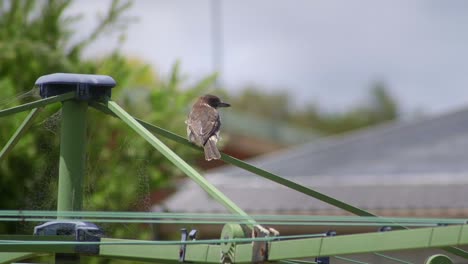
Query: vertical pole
(72, 155)
(217, 39)
(72, 164)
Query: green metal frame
(35, 108)
(242, 252)
(177, 161)
(72, 168)
(268, 175)
(241, 164)
(244, 165)
(72, 155)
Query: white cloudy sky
(327, 51)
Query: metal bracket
(183, 247)
(193, 234)
(385, 229)
(325, 260)
(260, 248)
(183, 237)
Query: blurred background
(385, 77)
(415, 49)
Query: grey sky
(322, 51)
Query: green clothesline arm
(177, 161)
(37, 104)
(19, 132)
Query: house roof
(403, 165)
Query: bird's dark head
(213, 101)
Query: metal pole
(72, 155)
(217, 39)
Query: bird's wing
(206, 125)
(211, 128)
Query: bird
(203, 124)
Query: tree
(383, 104)
(381, 107)
(273, 105)
(122, 168)
(35, 40)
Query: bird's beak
(223, 104)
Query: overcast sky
(329, 51)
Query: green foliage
(35, 40)
(122, 168)
(121, 161)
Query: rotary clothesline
(87, 89)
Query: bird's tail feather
(211, 151)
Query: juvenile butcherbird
(203, 124)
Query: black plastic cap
(87, 86)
